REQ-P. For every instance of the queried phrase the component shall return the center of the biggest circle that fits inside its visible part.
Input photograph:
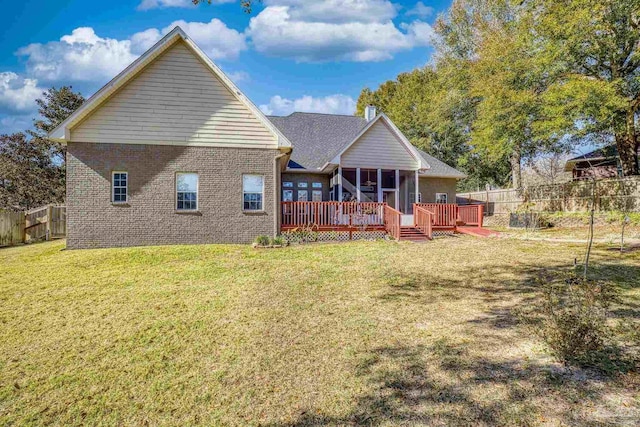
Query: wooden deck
(368, 216)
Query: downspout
(276, 192)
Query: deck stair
(412, 234)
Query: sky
(287, 55)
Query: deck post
(358, 193)
(379, 185)
(339, 183)
(480, 215)
(417, 198)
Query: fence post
(23, 225)
(480, 215)
(48, 224)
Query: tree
(28, 176)
(32, 167)
(592, 51)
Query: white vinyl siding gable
(378, 147)
(175, 99)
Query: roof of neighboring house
(608, 152)
(318, 138)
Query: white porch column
(358, 193)
(339, 183)
(379, 185)
(417, 188)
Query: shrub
(277, 241)
(575, 318)
(262, 240)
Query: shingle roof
(318, 138)
(439, 168)
(600, 153)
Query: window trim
(113, 187)
(197, 192)
(261, 193)
(446, 198)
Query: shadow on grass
(447, 384)
(443, 385)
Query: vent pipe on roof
(369, 113)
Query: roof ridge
(320, 114)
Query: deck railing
(423, 221)
(471, 214)
(392, 221)
(445, 214)
(329, 215)
(354, 216)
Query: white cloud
(84, 56)
(80, 56)
(18, 94)
(161, 4)
(420, 10)
(213, 37)
(337, 11)
(238, 76)
(143, 40)
(15, 123)
(420, 33)
(332, 104)
(282, 31)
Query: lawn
(365, 333)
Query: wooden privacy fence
(44, 223)
(573, 196)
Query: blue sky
(301, 55)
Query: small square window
(287, 184)
(441, 198)
(302, 185)
(119, 184)
(303, 195)
(316, 196)
(187, 191)
(252, 192)
(316, 185)
(287, 195)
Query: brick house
(170, 151)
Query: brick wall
(150, 217)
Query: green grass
(368, 333)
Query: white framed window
(252, 192)
(186, 191)
(287, 184)
(441, 197)
(287, 195)
(302, 185)
(303, 195)
(316, 196)
(316, 185)
(119, 185)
